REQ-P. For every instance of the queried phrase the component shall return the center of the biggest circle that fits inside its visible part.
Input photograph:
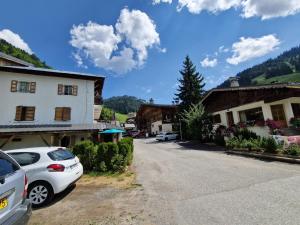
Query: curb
(264, 156)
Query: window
(25, 158)
(25, 113)
(296, 109)
(60, 155)
(278, 112)
(7, 166)
(252, 115)
(67, 90)
(62, 114)
(217, 118)
(23, 86)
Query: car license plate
(3, 203)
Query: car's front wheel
(40, 193)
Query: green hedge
(105, 157)
(267, 144)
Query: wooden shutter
(74, 90)
(18, 113)
(14, 86)
(29, 113)
(66, 114)
(32, 87)
(58, 114)
(60, 89)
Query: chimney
(234, 81)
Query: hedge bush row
(268, 145)
(105, 157)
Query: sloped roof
(50, 72)
(14, 59)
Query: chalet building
(155, 118)
(254, 105)
(43, 107)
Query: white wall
(46, 99)
(266, 108)
(166, 127)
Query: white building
(156, 118)
(46, 107)
(254, 105)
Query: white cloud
(249, 48)
(214, 6)
(15, 40)
(222, 49)
(119, 49)
(267, 9)
(154, 2)
(139, 31)
(209, 63)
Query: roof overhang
(50, 73)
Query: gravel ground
(186, 185)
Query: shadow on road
(58, 197)
(194, 145)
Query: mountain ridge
(284, 68)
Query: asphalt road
(188, 186)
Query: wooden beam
(7, 141)
(44, 140)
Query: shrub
(245, 134)
(104, 157)
(270, 145)
(293, 150)
(86, 152)
(233, 143)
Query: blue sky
(139, 45)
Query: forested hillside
(9, 49)
(123, 104)
(284, 68)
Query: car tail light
(56, 168)
(25, 187)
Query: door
(230, 120)
(278, 114)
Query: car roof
(34, 149)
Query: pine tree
(190, 90)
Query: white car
(166, 136)
(50, 170)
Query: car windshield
(60, 155)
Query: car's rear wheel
(40, 193)
(166, 139)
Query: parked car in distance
(50, 170)
(166, 136)
(14, 207)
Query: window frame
(63, 116)
(23, 115)
(252, 109)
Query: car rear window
(25, 158)
(60, 155)
(7, 166)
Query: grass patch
(121, 117)
(117, 180)
(295, 77)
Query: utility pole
(180, 129)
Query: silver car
(14, 207)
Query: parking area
(180, 183)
